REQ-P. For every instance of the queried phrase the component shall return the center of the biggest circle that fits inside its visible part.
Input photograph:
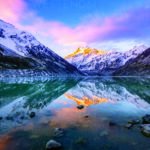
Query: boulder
(112, 124)
(146, 119)
(133, 122)
(128, 126)
(58, 132)
(53, 145)
(146, 130)
(86, 116)
(32, 114)
(22, 117)
(104, 133)
(10, 118)
(80, 106)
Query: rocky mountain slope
(138, 66)
(22, 54)
(104, 63)
(11, 60)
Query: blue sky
(71, 12)
(64, 25)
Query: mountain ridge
(24, 46)
(86, 51)
(138, 66)
(106, 64)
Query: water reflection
(136, 86)
(87, 101)
(19, 97)
(55, 100)
(35, 93)
(112, 90)
(107, 98)
(4, 140)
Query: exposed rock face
(24, 55)
(11, 60)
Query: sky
(64, 25)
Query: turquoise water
(55, 101)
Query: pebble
(128, 126)
(32, 114)
(80, 106)
(58, 132)
(112, 124)
(146, 118)
(133, 122)
(52, 144)
(146, 130)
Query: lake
(109, 103)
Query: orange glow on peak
(86, 51)
(87, 101)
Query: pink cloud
(133, 24)
(67, 36)
(80, 35)
(11, 10)
(130, 25)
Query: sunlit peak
(86, 51)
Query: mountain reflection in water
(87, 101)
(131, 90)
(55, 101)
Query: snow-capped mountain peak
(25, 44)
(16, 39)
(85, 51)
(105, 63)
(136, 50)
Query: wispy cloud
(12, 10)
(133, 24)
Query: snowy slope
(137, 66)
(11, 60)
(24, 44)
(16, 39)
(105, 64)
